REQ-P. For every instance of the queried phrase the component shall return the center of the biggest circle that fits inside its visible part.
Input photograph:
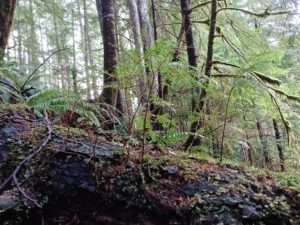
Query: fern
(60, 102)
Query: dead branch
(264, 14)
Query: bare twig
(264, 14)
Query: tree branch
(264, 14)
(264, 77)
(39, 66)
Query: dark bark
(159, 77)
(250, 150)
(265, 152)
(187, 22)
(192, 60)
(279, 146)
(154, 108)
(174, 59)
(110, 95)
(191, 50)
(250, 153)
(198, 106)
(211, 38)
(7, 9)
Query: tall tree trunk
(19, 39)
(197, 105)
(58, 46)
(190, 45)
(74, 67)
(192, 60)
(111, 95)
(155, 35)
(137, 35)
(264, 144)
(149, 38)
(148, 41)
(124, 97)
(86, 50)
(279, 145)
(100, 16)
(146, 26)
(156, 109)
(7, 9)
(33, 38)
(91, 63)
(189, 37)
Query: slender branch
(226, 76)
(39, 66)
(264, 14)
(199, 6)
(264, 77)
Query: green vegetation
(177, 85)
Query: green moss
(288, 179)
(202, 156)
(71, 131)
(13, 107)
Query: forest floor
(55, 176)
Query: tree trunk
(279, 145)
(100, 17)
(34, 62)
(155, 35)
(86, 50)
(124, 96)
(146, 26)
(156, 110)
(20, 41)
(148, 42)
(110, 95)
(192, 60)
(58, 46)
(7, 9)
(264, 143)
(90, 58)
(137, 35)
(197, 105)
(74, 67)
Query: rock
(228, 219)
(232, 201)
(171, 170)
(8, 133)
(103, 151)
(250, 212)
(192, 189)
(7, 201)
(69, 176)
